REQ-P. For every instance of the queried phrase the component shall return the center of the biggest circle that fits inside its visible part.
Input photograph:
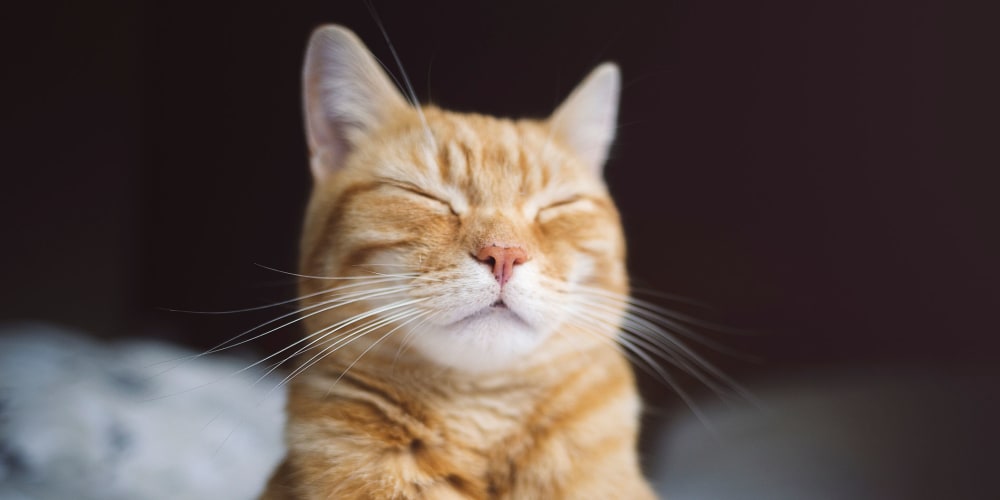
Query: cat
(463, 284)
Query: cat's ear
(346, 94)
(586, 120)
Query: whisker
(650, 332)
(671, 297)
(331, 329)
(288, 378)
(355, 298)
(405, 342)
(325, 332)
(410, 318)
(672, 318)
(237, 372)
(641, 324)
(382, 265)
(281, 303)
(647, 329)
(341, 300)
(410, 93)
(307, 276)
(691, 320)
(695, 370)
(639, 358)
(343, 340)
(336, 302)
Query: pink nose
(502, 259)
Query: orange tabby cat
(462, 292)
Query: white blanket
(131, 420)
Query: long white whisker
(404, 343)
(292, 375)
(665, 317)
(337, 301)
(660, 337)
(413, 316)
(325, 332)
(673, 297)
(384, 275)
(223, 345)
(668, 313)
(343, 300)
(258, 362)
(287, 301)
(650, 333)
(410, 93)
(636, 354)
(696, 370)
(383, 265)
(641, 325)
(345, 339)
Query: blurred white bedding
(81, 419)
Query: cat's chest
(441, 440)
(477, 442)
(483, 421)
(431, 417)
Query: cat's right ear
(586, 120)
(346, 94)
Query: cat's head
(473, 239)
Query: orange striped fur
(431, 370)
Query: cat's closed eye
(563, 205)
(414, 191)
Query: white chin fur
(485, 342)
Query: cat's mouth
(498, 309)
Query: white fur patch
(469, 334)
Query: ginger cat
(463, 287)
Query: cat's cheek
(582, 270)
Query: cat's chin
(497, 314)
(491, 339)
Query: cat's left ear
(347, 96)
(586, 120)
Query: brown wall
(812, 170)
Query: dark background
(823, 173)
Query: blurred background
(823, 174)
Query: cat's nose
(502, 260)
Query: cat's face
(484, 232)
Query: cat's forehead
(487, 160)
